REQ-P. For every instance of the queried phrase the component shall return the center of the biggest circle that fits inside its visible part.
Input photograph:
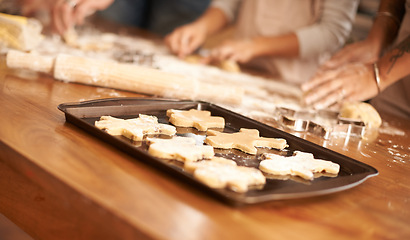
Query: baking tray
(352, 172)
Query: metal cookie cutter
(319, 130)
(295, 120)
(322, 123)
(136, 57)
(350, 127)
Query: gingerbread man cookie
(214, 161)
(199, 119)
(135, 128)
(179, 148)
(223, 173)
(245, 140)
(302, 164)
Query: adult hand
(186, 39)
(241, 51)
(67, 13)
(364, 52)
(352, 82)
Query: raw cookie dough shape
(199, 119)
(178, 148)
(227, 65)
(135, 128)
(245, 140)
(214, 161)
(302, 164)
(223, 173)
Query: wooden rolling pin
(125, 77)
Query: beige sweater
(322, 27)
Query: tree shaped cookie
(135, 128)
(199, 119)
(179, 148)
(302, 164)
(224, 173)
(246, 140)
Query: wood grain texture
(10, 231)
(59, 182)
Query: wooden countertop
(59, 182)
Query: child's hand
(186, 39)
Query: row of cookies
(216, 173)
(301, 164)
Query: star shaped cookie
(199, 119)
(245, 140)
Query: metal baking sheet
(352, 172)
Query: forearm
(386, 24)
(278, 46)
(228, 7)
(213, 20)
(394, 65)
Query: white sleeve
(229, 7)
(331, 31)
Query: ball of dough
(361, 111)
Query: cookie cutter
(350, 127)
(323, 123)
(297, 120)
(136, 57)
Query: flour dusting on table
(262, 95)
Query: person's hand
(186, 39)
(364, 52)
(67, 13)
(352, 82)
(241, 51)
